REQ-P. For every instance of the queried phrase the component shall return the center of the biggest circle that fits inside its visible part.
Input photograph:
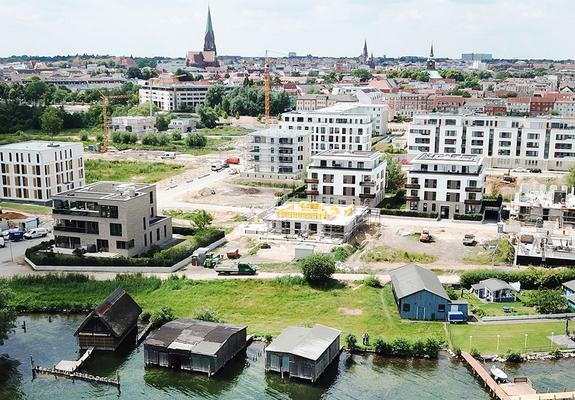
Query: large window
(108, 211)
(406, 307)
(115, 229)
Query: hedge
(162, 258)
(408, 213)
(530, 279)
(184, 230)
(468, 217)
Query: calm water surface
(354, 377)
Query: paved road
(12, 256)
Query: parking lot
(12, 256)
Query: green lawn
(496, 309)
(511, 336)
(27, 208)
(224, 130)
(389, 254)
(129, 171)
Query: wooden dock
(73, 366)
(77, 375)
(494, 388)
(142, 335)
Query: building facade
(134, 123)
(448, 184)
(109, 217)
(547, 143)
(209, 56)
(35, 171)
(276, 153)
(173, 95)
(342, 177)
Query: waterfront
(354, 376)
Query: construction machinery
(239, 268)
(106, 102)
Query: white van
(36, 233)
(169, 155)
(217, 166)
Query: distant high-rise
(476, 56)
(208, 57)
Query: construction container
(303, 251)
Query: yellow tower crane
(106, 102)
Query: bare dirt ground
(495, 184)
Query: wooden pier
(494, 388)
(77, 375)
(142, 335)
(73, 366)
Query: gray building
(476, 56)
(193, 345)
(118, 218)
(303, 352)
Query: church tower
(210, 39)
(364, 54)
(431, 60)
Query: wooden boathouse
(303, 352)
(194, 345)
(111, 323)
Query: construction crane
(267, 89)
(106, 102)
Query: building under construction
(535, 204)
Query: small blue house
(420, 296)
(569, 293)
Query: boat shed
(114, 320)
(194, 345)
(303, 352)
(419, 295)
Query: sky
(505, 28)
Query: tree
(201, 219)
(394, 179)
(215, 95)
(7, 313)
(571, 177)
(162, 316)
(317, 268)
(208, 116)
(363, 74)
(134, 72)
(196, 140)
(51, 120)
(548, 301)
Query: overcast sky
(506, 28)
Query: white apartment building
(174, 95)
(312, 102)
(34, 171)
(343, 177)
(134, 123)
(547, 143)
(448, 184)
(340, 127)
(277, 153)
(117, 218)
(565, 108)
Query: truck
(233, 160)
(239, 268)
(28, 224)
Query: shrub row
(428, 347)
(184, 230)
(530, 279)
(408, 213)
(468, 217)
(161, 258)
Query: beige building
(118, 218)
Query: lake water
(353, 377)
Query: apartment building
(445, 183)
(340, 127)
(277, 153)
(34, 171)
(343, 177)
(504, 142)
(117, 218)
(408, 104)
(565, 108)
(312, 102)
(134, 123)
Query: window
(144, 222)
(158, 234)
(441, 307)
(406, 307)
(115, 229)
(108, 211)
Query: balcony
(76, 211)
(367, 195)
(473, 202)
(411, 198)
(311, 192)
(471, 189)
(311, 180)
(412, 186)
(366, 183)
(75, 229)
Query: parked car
(425, 236)
(535, 170)
(169, 155)
(15, 235)
(2, 242)
(217, 166)
(469, 240)
(36, 233)
(520, 170)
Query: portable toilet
(303, 250)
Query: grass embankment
(27, 208)
(389, 254)
(224, 130)
(499, 251)
(129, 171)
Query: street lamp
(552, 341)
(526, 342)
(470, 338)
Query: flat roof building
(110, 217)
(535, 204)
(194, 345)
(134, 123)
(303, 353)
(36, 170)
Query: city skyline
(505, 28)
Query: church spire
(365, 54)
(210, 39)
(431, 52)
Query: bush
(268, 338)
(452, 293)
(418, 348)
(317, 268)
(100, 137)
(382, 347)
(176, 135)
(457, 352)
(531, 278)
(351, 341)
(196, 140)
(207, 314)
(145, 316)
(183, 230)
(289, 280)
(432, 347)
(162, 316)
(341, 253)
(401, 346)
(84, 136)
(372, 281)
(475, 353)
(513, 356)
(408, 213)
(548, 301)
(556, 354)
(468, 217)
(156, 139)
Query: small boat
(498, 374)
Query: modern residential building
(547, 143)
(494, 290)
(134, 123)
(445, 183)
(535, 204)
(35, 171)
(277, 153)
(419, 295)
(116, 218)
(314, 221)
(343, 177)
(312, 102)
(303, 353)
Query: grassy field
(497, 252)
(511, 336)
(224, 130)
(27, 208)
(389, 254)
(129, 171)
